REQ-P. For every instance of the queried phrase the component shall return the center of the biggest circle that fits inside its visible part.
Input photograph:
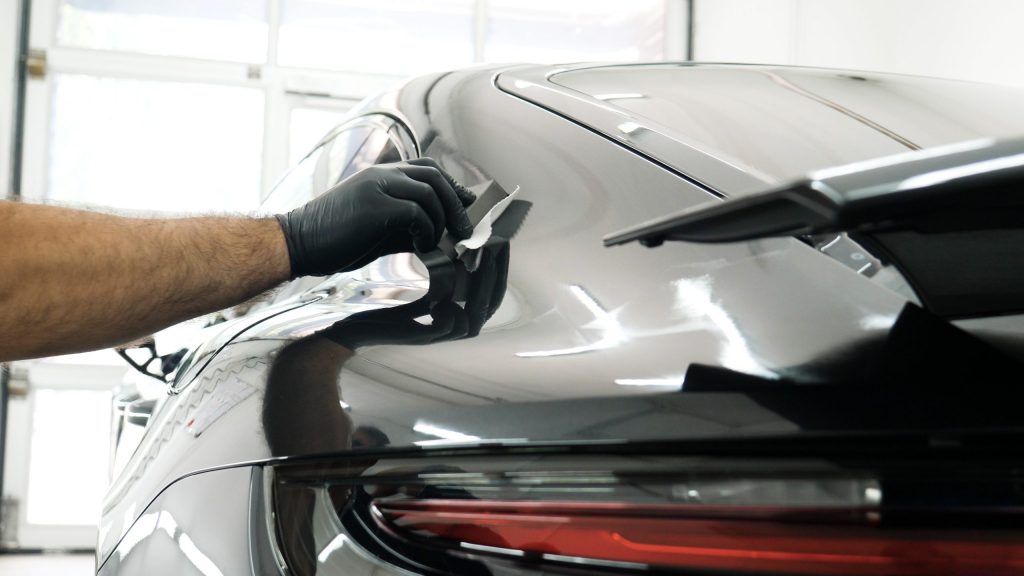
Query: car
(716, 318)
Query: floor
(47, 564)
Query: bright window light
(394, 37)
(154, 146)
(554, 31)
(308, 126)
(67, 474)
(233, 30)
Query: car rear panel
(589, 349)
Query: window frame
(284, 87)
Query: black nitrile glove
(398, 325)
(487, 284)
(381, 210)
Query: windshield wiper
(950, 219)
(969, 186)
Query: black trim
(46, 551)
(4, 395)
(18, 131)
(14, 193)
(690, 29)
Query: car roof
(738, 129)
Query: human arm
(72, 280)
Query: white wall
(981, 40)
(8, 53)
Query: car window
(379, 148)
(358, 144)
(343, 149)
(296, 187)
(316, 173)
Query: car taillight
(552, 511)
(748, 539)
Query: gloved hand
(398, 325)
(487, 284)
(381, 210)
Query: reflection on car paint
(762, 308)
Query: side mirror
(142, 356)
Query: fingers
(419, 226)
(500, 277)
(423, 195)
(413, 309)
(457, 221)
(453, 320)
(378, 211)
(487, 284)
(416, 334)
(465, 196)
(397, 326)
(478, 298)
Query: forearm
(72, 281)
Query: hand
(487, 284)
(381, 210)
(398, 325)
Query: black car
(718, 319)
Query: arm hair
(72, 280)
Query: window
(361, 143)
(70, 438)
(377, 37)
(233, 30)
(286, 67)
(343, 150)
(378, 148)
(296, 188)
(575, 30)
(307, 126)
(153, 146)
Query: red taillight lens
(670, 536)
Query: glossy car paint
(739, 128)
(196, 526)
(589, 346)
